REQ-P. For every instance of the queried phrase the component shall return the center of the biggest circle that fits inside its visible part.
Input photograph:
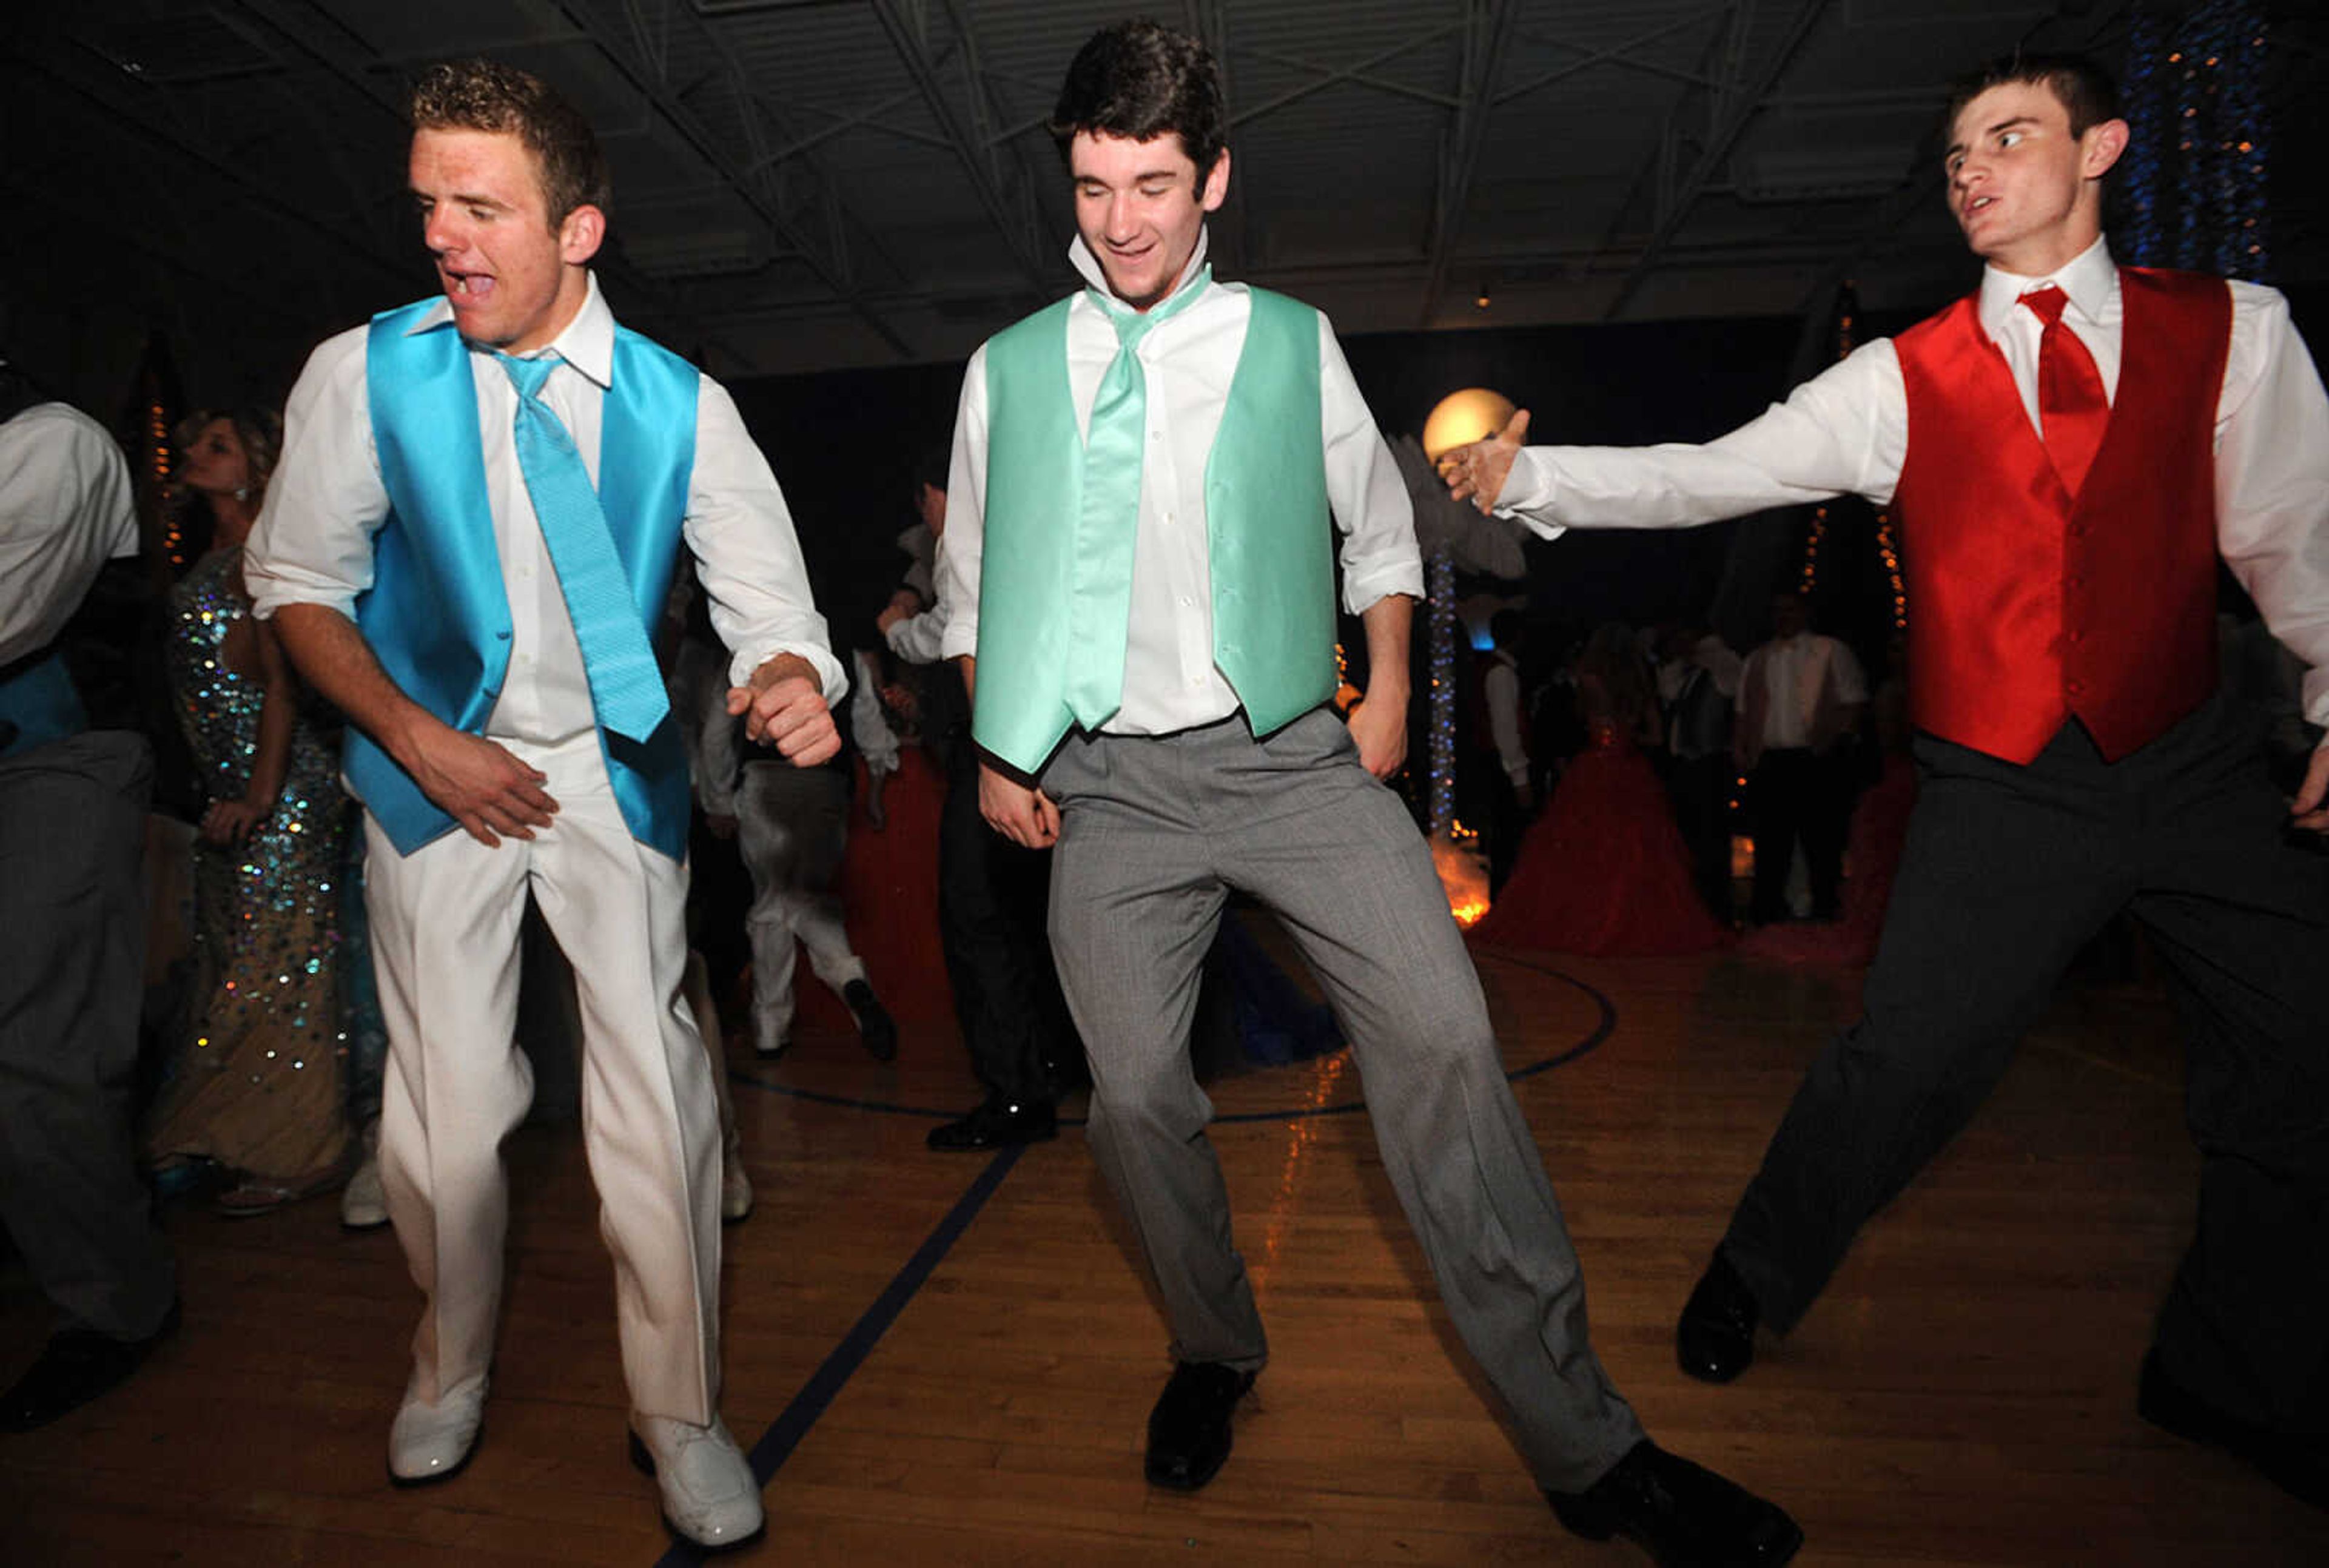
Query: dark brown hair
(1139, 79)
(2083, 89)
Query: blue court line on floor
(777, 1444)
(1602, 1029)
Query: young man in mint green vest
(1146, 484)
(481, 502)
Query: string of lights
(1440, 580)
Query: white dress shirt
(64, 511)
(1846, 430)
(1795, 671)
(313, 541)
(1170, 682)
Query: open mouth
(468, 288)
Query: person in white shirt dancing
(480, 507)
(2068, 449)
(1138, 571)
(1801, 696)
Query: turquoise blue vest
(1271, 537)
(436, 615)
(38, 705)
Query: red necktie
(2072, 408)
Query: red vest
(2031, 604)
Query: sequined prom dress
(258, 1081)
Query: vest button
(502, 636)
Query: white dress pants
(445, 941)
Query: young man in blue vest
(2070, 452)
(1140, 576)
(480, 505)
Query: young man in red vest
(2069, 450)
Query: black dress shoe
(876, 1030)
(1715, 1339)
(1685, 1514)
(78, 1366)
(997, 1125)
(2297, 1465)
(1189, 1430)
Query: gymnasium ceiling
(807, 184)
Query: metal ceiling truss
(1003, 186)
(1735, 102)
(1487, 33)
(809, 224)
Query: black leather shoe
(2297, 1465)
(1189, 1430)
(876, 1030)
(78, 1366)
(1685, 1514)
(1715, 1339)
(997, 1125)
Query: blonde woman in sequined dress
(258, 1083)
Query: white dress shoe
(363, 1205)
(735, 1187)
(430, 1442)
(708, 1493)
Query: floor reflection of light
(1301, 1133)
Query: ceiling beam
(969, 126)
(643, 62)
(1487, 29)
(1736, 103)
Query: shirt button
(1186, 602)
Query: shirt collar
(1088, 265)
(588, 344)
(2090, 279)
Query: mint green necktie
(1099, 599)
(626, 687)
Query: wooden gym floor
(948, 1359)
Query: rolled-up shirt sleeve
(312, 543)
(1363, 488)
(965, 518)
(748, 556)
(2272, 481)
(1845, 431)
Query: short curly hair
(1138, 80)
(486, 95)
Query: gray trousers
(73, 824)
(1154, 834)
(792, 827)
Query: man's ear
(581, 234)
(2100, 147)
(1216, 187)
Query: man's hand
(490, 793)
(2310, 810)
(1379, 724)
(1023, 815)
(1477, 473)
(904, 605)
(785, 708)
(231, 821)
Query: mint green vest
(1271, 537)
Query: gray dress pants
(1156, 832)
(73, 824)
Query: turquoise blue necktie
(1099, 602)
(625, 684)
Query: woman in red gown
(1605, 871)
